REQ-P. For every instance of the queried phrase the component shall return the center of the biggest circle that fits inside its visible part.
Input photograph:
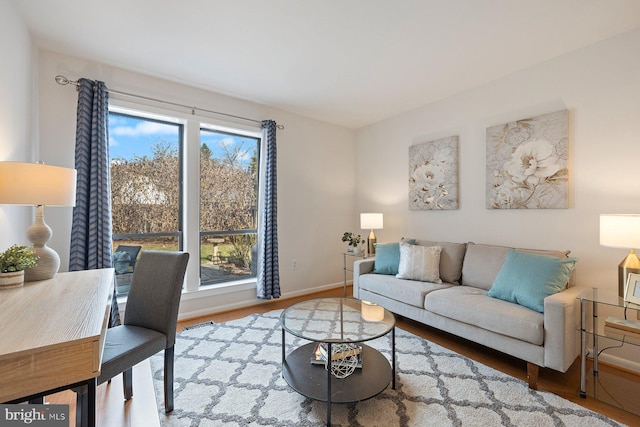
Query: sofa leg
(532, 375)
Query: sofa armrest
(361, 266)
(561, 319)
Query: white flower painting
(433, 175)
(527, 163)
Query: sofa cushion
(388, 257)
(483, 262)
(471, 305)
(419, 263)
(407, 291)
(528, 278)
(451, 258)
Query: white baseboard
(247, 303)
(627, 364)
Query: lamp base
(47, 267)
(371, 243)
(631, 264)
(48, 262)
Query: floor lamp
(38, 185)
(622, 231)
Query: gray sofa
(460, 305)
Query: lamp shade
(37, 184)
(620, 231)
(371, 221)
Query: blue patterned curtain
(268, 273)
(91, 228)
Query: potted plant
(354, 240)
(13, 261)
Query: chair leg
(127, 383)
(168, 379)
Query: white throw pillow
(419, 263)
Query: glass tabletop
(337, 320)
(607, 297)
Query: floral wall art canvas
(433, 175)
(527, 163)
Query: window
(228, 205)
(146, 191)
(164, 166)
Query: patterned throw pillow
(419, 263)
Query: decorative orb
(342, 367)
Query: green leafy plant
(353, 239)
(17, 258)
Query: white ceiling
(347, 62)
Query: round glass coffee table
(333, 322)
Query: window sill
(219, 289)
(210, 290)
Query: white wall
(316, 176)
(16, 115)
(599, 85)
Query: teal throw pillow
(528, 278)
(121, 261)
(388, 257)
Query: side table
(361, 255)
(597, 329)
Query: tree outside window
(228, 205)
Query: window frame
(190, 183)
(224, 130)
(164, 120)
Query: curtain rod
(62, 80)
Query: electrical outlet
(294, 264)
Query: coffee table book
(626, 325)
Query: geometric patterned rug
(229, 374)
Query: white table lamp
(39, 185)
(371, 221)
(622, 231)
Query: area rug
(229, 374)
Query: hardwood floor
(141, 410)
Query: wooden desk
(52, 332)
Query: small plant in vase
(354, 240)
(13, 262)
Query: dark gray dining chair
(150, 321)
(133, 252)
